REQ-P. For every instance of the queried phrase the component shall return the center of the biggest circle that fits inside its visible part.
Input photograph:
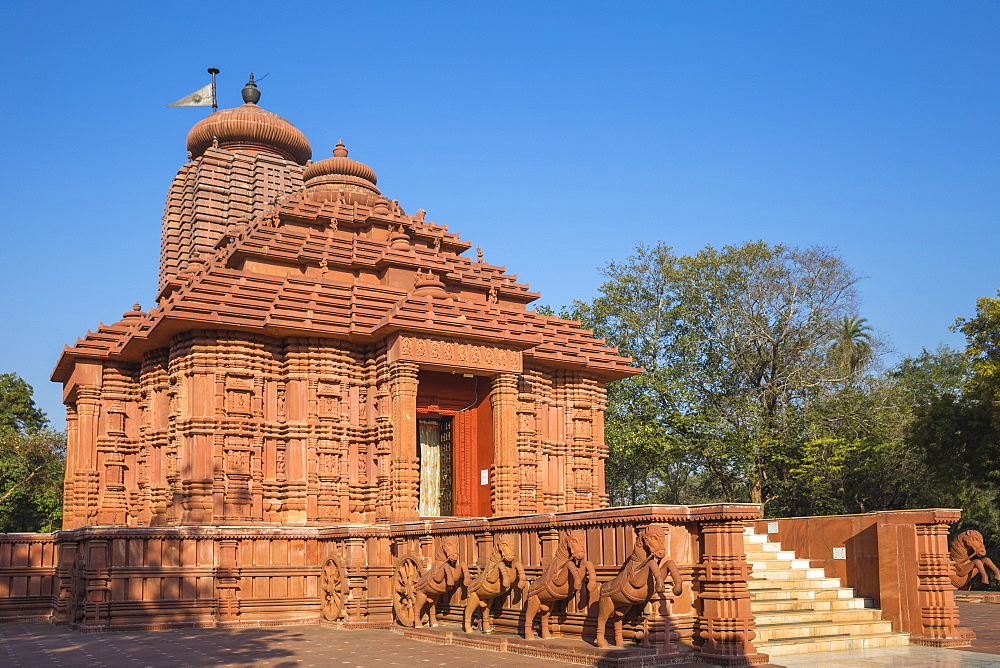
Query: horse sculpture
(639, 578)
(442, 578)
(562, 579)
(968, 556)
(501, 575)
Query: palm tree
(852, 344)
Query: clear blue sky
(554, 135)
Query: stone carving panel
(969, 561)
(334, 587)
(455, 353)
(640, 578)
(563, 579)
(445, 576)
(503, 574)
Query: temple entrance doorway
(436, 474)
(454, 444)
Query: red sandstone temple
(332, 415)
(317, 355)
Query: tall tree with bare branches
(734, 341)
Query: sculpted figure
(968, 556)
(562, 579)
(501, 575)
(639, 578)
(444, 576)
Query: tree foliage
(956, 424)
(17, 405)
(735, 342)
(32, 466)
(32, 462)
(762, 383)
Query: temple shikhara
(339, 412)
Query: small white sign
(840, 553)
(772, 527)
(484, 477)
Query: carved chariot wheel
(333, 585)
(404, 589)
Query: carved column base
(966, 636)
(725, 623)
(197, 501)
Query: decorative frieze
(448, 353)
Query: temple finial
(251, 94)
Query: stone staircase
(799, 610)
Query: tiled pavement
(40, 644)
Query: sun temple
(337, 412)
(318, 355)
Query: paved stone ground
(985, 619)
(39, 644)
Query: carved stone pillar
(936, 595)
(484, 546)
(356, 558)
(97, 577)
(725, 623)
(504, 490)
(549, 539)
(86, 476)
(112, 511)
(70, 506)
(600, 449)
(405, 468)
(68, 577)
(227, 582)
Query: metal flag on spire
(203, 97)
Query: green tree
(32, 466)
(32, 462)
(982, 334)
(956, 425)
(852, 348)
(17, 405)
(735, 342)
(853, 456)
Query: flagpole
(213, 71)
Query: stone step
(793, 574)
(794, 583)
(777, 593)
(799, 610)
(806, 645)
(809, 616)
(817, 629)
(777, 564)
(761, 555)
(761, 606)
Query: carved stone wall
(232, 428)
(160, 577)
(27, 576)
(235, 428)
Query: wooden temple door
(454, 445)
(436, 470)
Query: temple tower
(317, 355)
